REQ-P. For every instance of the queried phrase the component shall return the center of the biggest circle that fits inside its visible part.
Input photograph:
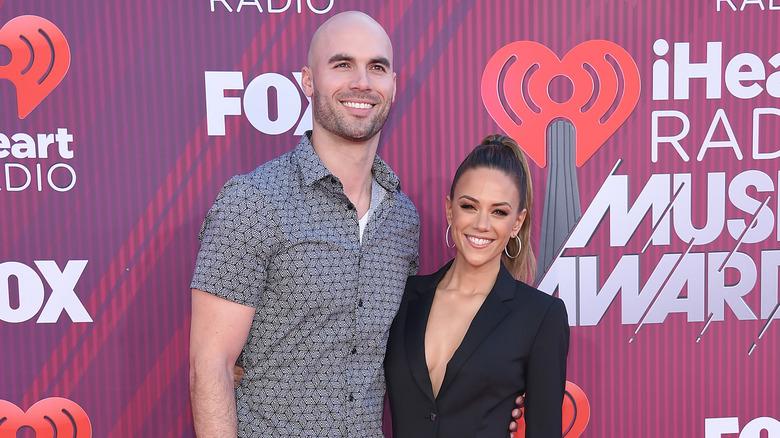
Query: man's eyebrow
(338, 57)
(341, 57)
(381, 60)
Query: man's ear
(307, 81)
(394, 87)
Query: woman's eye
(467, 206)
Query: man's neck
(351, 163)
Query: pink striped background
(134, 102)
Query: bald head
(350, 79)
(349, 24)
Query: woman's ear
(520, 221)
(448, 209)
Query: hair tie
(495, 142)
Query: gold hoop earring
(447, 238)
(519, 248)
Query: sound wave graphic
(516, 87)
(52, 417)
(599, 87)
(40, 58)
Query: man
(303, 262)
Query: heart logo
(516, 92)
(576, 413)
(40, 57)
(50, 417)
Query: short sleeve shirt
(285, 240)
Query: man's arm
(218, 331)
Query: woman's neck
(468, 279)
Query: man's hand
(517, 413)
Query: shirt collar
(312, 169)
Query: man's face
(350, 80)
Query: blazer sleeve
(546, 378)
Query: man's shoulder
(405, 204)
(270, 178)
(273, 168)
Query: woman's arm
(546, 379)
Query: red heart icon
(515, 91)
(49, 418)
(576, 413)
(40, 57)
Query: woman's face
(484, 213)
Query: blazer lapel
(416, 321)
(489, 315)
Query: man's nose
(360, 80)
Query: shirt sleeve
(414, 264)
(236, 243)
(546, 380)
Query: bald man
(303, 262)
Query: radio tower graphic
(562, 208)
(516, 88)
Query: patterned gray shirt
(285, 240)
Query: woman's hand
(238, 373)
(517, 413)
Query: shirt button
(354, 350)
(360, 303)
(351, 397)
(350, 207)
(433, 417)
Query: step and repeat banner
(652, 129)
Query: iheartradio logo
(599, 87)
(576, 413)
(50, 417)
(40, 57)
(516, 91)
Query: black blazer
(517, 343)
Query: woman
(470, 338)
